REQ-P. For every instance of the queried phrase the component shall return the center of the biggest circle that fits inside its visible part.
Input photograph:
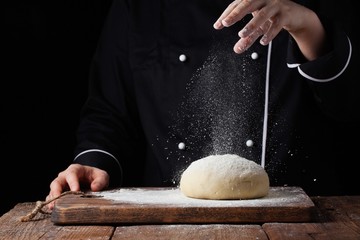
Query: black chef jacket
(163, 76)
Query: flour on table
(277, 196)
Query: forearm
(311, 38)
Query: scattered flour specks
(278, 196)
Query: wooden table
(336, 217)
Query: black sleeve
(333, 75)
(108, 135)
(104, 161)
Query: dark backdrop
(46, 48)
(45, 62)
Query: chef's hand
(269, 18)
(75, 177)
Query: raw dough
(227, 176)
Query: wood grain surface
(168, 205)
(335, 218)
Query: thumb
(100, 181)
(98, 185)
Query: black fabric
(143, 101)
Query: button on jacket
(166, 89)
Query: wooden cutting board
(169, 205)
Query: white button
(181, 146)
(254, 55)
(182, 58)
(249, 143)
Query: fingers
(236, 11)
(100, 180)
(269, 18)
(66, 180)
(244, 43)
(224, 19)
(55, 190)
(268, 31)
(266, 20)
(73, 177)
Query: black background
(46, 51)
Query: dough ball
(227, 176)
